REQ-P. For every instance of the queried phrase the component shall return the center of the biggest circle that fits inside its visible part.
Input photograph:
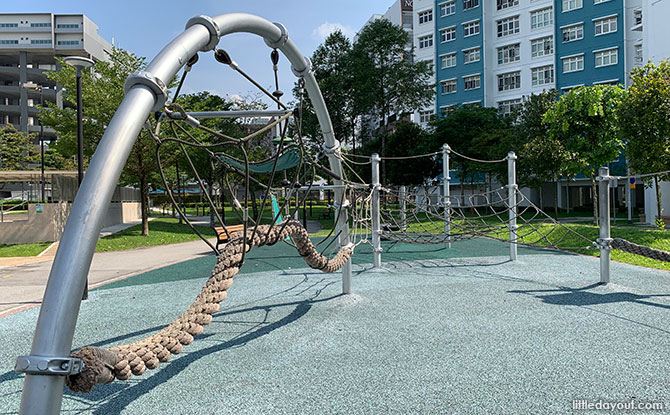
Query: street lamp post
(34, 87)
(79, 63)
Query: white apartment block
(424, 49)
(29, 43)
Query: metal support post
(512, 201)
(604, 212)
(376, 227)
(446, 192)
(403, 208)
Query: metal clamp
(41, 365)
(512, 186)
(156, 85)
(604, 243)
(308, 69)
(344, 204)
(282, 39)
(335, 149)
(212, 28)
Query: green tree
(102, 93)
(331, 64)
(541, 157)
(644, 121)
(584, 121)
(475, 132)
(16, 149)
(386, 80)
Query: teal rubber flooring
(437, 331)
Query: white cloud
(325, 29)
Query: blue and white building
(496, 52)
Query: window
(508, 26)
(504, 4)
(472, 82)
(9, 42)
(509, 106)
(448, 8)
(541, 18)
(571, 5)
(639, 57)
(40, 25)
(425, 17)
(509, 53)
(542, 47)
(470, 4)
(471, 28)
(425, 41)
(9, 25)
(67, 26)
(605, 25)
(572, 33)
(449, 60)
(542, 75)
(573, 63)
(449, 86)
(425, 116)
(607, 57)
(471, 55)
(508, 81)
(637, 17)
(40, 41)
(448, 34)
(67, 42)
(447, 109)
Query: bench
(221, 236)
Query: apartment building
(496, 52)
(424, 49)
(29, 44)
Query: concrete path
(22, 286)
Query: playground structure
(49, 363)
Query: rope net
(422, 215)
(231, 160)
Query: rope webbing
(120, 362)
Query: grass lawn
(162, 231)
(23, 249)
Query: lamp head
(78, 62)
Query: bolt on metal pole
(376, 226)
(512, 202)
(604, 212)
(403, 208)
(446, 192)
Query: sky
(144, 27)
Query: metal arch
(42, 394)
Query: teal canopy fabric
(290, 158)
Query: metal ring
(282, 39)
(308, 68)
(212, 28)
(156, 85)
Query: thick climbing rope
(626, 246)
(120, 362)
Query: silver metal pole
(403, 208)
(376, 226)
(629, 201)
(512, 201)
(42, 393)
(446, 192)
(604, 213)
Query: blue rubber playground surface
(438, 331)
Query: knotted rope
(105, 365)
(626, 246)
